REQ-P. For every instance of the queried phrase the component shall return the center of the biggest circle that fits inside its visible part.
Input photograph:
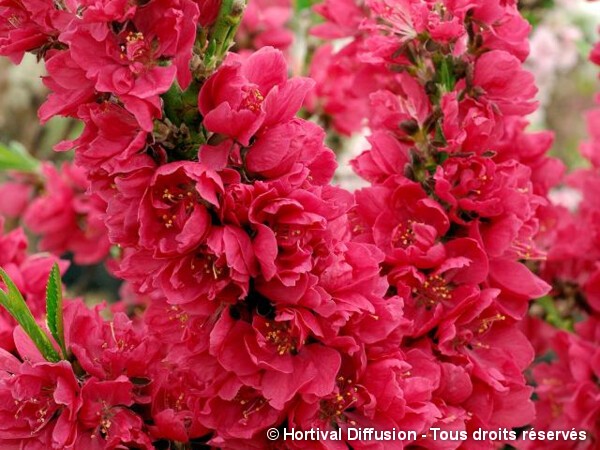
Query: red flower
(40, 402)
(175, 214)
(104, 420)
(128, 64)
(243, 97)
(67, 218)
(504, 83)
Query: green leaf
(54, 308)
(14, 303)
(304, 4)
(16, 157)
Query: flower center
(252, 100)
(279, 335)
(138, 51)
(35, 410)
(249, 400)
(434, 290)
(287, 233)
(208, 264)
(105, 415)
(176, 314)
(180, 201)
(403, 235)
(332, 409)
(526, 249)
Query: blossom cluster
(457, 185)
(263, 295)
(260, 308)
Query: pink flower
(237, 411)
(40, 402)
(264, 24)
(449, 279)
(107, 350)
(67, 218)
(274, 358)
(69, 85)
(345, 101)
(566, 387)
(504, 83)
(377, 394)
(111, 136)
(243, 97)
(469, 125)
(299, 144)
(508, 29)
(219, 268)
(403, 113)
(29, 27)
(410, 221)
(591, 149)
(105, 421)
(126, 63)
(344, 18)
(49, 405)
(175, 214)
(385, 158)
(123, 190)
(291, 226)
(178, 388)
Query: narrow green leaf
(54, 308)
(14, 303)
(16, 158)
